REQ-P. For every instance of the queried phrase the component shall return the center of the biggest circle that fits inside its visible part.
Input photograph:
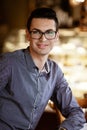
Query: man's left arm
(67, 104)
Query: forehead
(42, 24)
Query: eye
(35, 32)
(50, 32)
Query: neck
(39, 60)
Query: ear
(27, 35)
(57, 36)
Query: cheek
(33, 42)
(53, 42)
(56, 41)
(51, 45)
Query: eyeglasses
(37, 34)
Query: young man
(28, 79)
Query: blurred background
(70, 52)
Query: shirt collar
(46, 68)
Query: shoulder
(53, 65)
(55, 69)
(11, 58)
(11, 55)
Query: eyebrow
(42, 31)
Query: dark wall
(13, 12)
(13, 15)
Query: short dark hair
(43, 12)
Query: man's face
(42, 45)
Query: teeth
(42, 46)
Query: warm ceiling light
(75, 2)
(79, 0)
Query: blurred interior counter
(71, 55)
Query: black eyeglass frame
(42, 33)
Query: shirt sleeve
(4, 71)
(67, 104)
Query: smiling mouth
(42, 46)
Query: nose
(43, 38)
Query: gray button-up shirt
(24, 92)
